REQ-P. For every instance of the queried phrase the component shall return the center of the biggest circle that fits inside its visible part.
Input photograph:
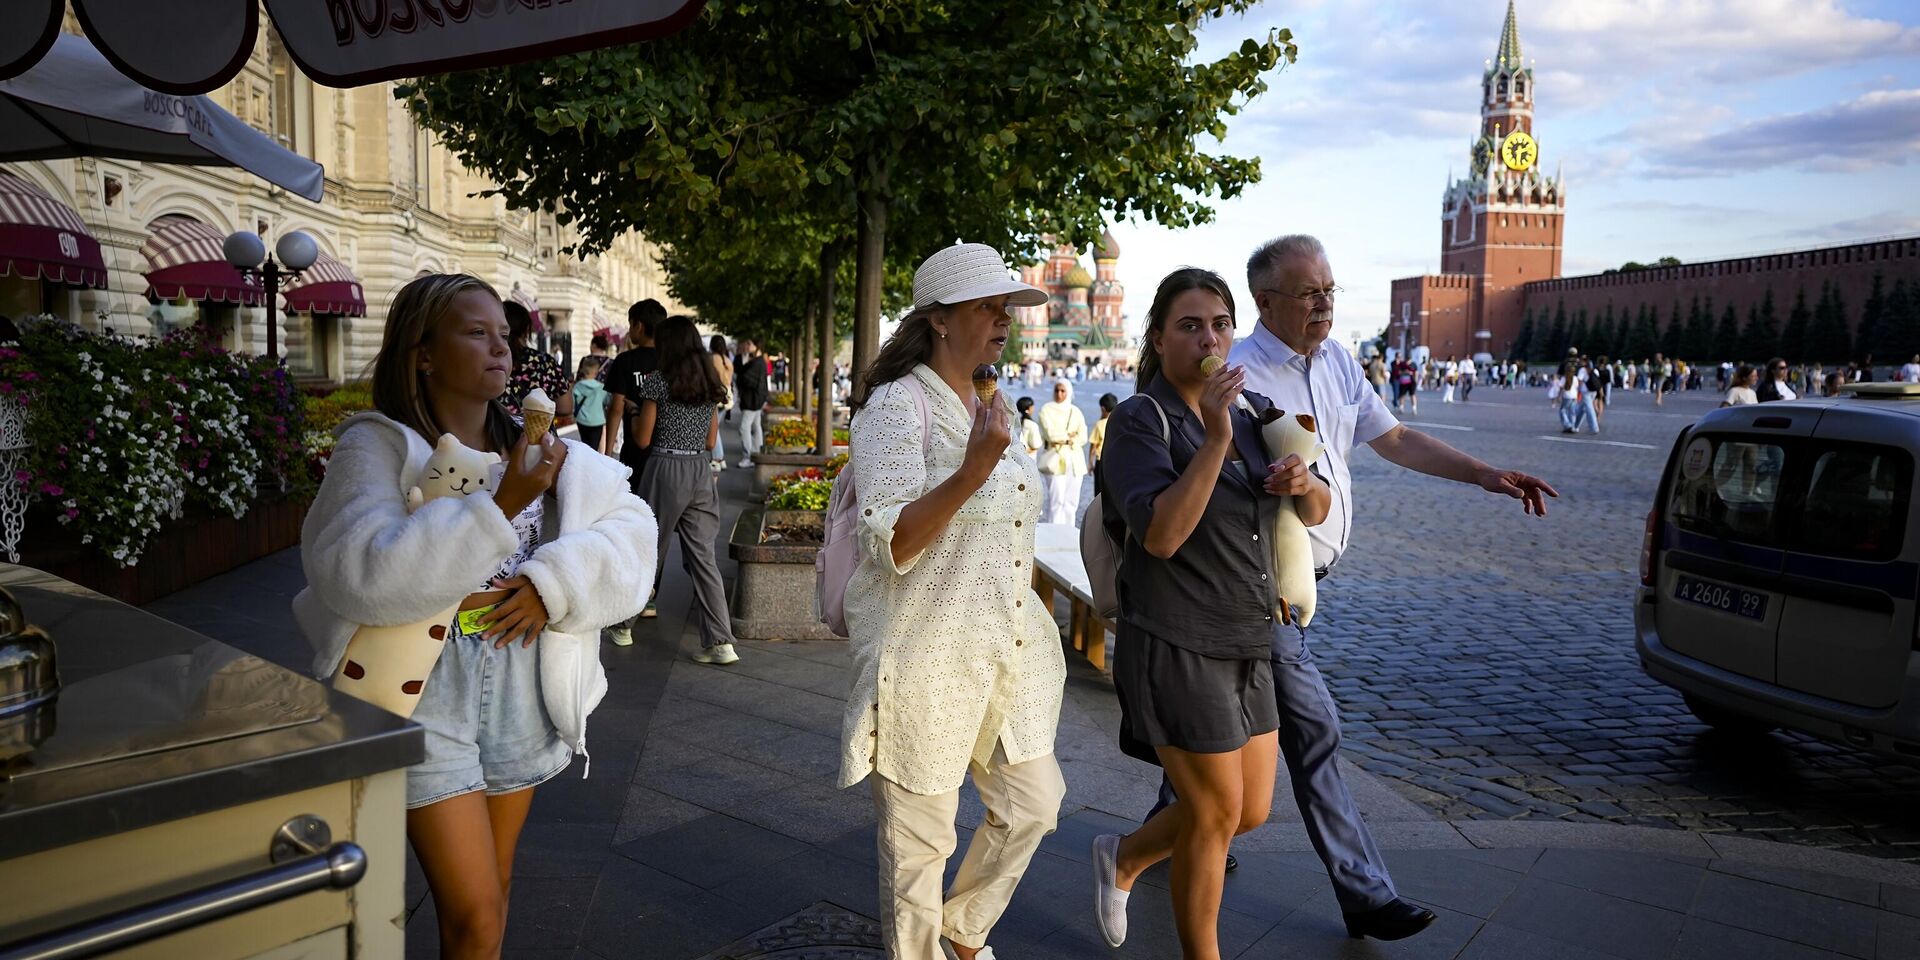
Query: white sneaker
(1109, 901)
(719, 655)
(621, 635)
(745, 463)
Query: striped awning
(327, 287)
(43, 239)
(184, 259)
(526, 299)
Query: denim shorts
(486, 724)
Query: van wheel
(1727, 721)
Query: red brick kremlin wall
(1742, 282)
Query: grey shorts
(487, 726)
(1173, 697)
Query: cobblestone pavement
(1484, 660)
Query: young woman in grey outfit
(680, 423)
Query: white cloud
(1882, 127)
(1882, 224)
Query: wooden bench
(1057, 566)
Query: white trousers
(751, 436)
(1063, 498)
(916, 837)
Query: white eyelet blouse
(952, 650)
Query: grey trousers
(1310, 743)
(678, 485)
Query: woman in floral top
(532, 368)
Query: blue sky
(1691, 128)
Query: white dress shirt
(1333, 387)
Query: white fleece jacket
(368, 561)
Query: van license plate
(1719, 596)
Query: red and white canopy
(327, 287)
(42, 238)
(185, 259)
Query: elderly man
(1291, 359)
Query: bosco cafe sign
(191, 48)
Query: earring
(943, 336)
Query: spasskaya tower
(1500, 226)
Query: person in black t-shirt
(623, 379)
(750, 380)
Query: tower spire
(1509, 53)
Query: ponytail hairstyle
(399, 385)
(910, 346)
(1176, 283)
(684, 365)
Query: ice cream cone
(1210, 365)
(986, 382)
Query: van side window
(1735, 496)
(1856, 505)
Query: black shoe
(1232, 864)
(1395, 921)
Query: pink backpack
(840, 550)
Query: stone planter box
(182, 553)
(768, 464)
(773, 596)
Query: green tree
(1556, 344)
(1644, 340)
(1674, 333)
(1872, 318)
(1827, 337)
(1761, 338)
(1900, 322)
(1699, 338)
(903, 124)
(1793, 338)
(1580, 336)
(1726, 334)
(1523, 342)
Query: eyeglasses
(1310, 296)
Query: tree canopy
(863, 126)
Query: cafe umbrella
(73, 103)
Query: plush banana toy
(1294, 583)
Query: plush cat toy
(388, 666)
(1294, 584)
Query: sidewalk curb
(1543, 834)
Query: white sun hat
(970, 271)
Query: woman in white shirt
(1030, 440)
(1742, 389)
(1065, 460)
(956, 665)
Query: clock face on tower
(1519, 151)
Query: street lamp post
(248, 254)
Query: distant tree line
(1889, 329)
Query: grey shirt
(1214, 596)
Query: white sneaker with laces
(1109, 901)
(719, 655)
(621, 635)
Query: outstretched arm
(1418, 451)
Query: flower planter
(182, 553)
(770, 463)
(773, 595)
